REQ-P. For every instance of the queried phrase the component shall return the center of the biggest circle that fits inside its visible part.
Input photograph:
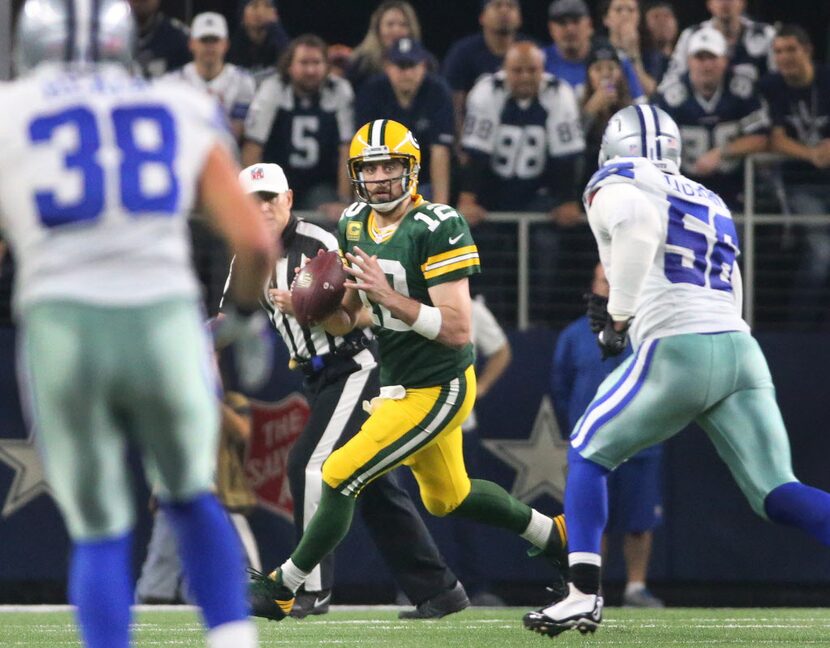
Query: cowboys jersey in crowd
(302, 135)
(733, 111)
(751, 55)
(233, 87)
(520, 137)
(804, 114)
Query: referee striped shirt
(301, 241)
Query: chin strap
(385, 207)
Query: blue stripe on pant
(617, 398)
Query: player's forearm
(454, 331)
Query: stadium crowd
(506, 124)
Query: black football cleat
(311, 603)
(447, 602)
(269, 598)
(577, 611)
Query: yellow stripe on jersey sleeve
(448, 255)
(451, 266)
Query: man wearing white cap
(719, 113)
(748, 42)
(233, 86)
(341, 373)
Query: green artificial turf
(473, 628)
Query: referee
(340, 373)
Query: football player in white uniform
(669, 248)
(98, 172)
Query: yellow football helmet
(384, 139)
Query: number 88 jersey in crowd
(693, 285)
(97, 176)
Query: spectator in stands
(720, 116)
(231, 85)
(260, 38)
(162, 42)
(622, 20)
(302, 119)
(483, 53)
(749, 43)
(570, 27)
(799, 103)
(524, 143)
(407, 93)
(634, 489)
(660, 38)
(606, 92)
(393, 19)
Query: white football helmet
(642, 130)
(74, 31)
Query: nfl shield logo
(257, 173)
(274, 429)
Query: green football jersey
(431, 245)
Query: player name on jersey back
(691, 287)
(97, 176)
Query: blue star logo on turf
(541, 461)
(29, 482)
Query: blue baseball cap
(406, 51)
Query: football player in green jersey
(410, 260)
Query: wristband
(428, 322)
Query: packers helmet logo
(353, 230)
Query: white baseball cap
(709, 40)
(209, 24)
(263, 177)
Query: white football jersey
(274, 94)
(691, 286)
(492, 128)
(233, 87)
(98, 172)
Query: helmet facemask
(408, 180)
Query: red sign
(274, 429)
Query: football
(318, 288)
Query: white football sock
(236, 634)
(538, 529)
(292, 576)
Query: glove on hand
(597, 311)
(611, 341)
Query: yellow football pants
(422, 431)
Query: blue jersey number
(709, 246)
(146, 137)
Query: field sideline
(473, 628)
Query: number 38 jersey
(97, 175)
(690, 287)
(431, 245)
